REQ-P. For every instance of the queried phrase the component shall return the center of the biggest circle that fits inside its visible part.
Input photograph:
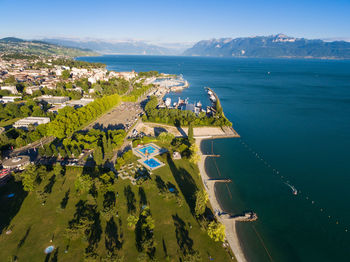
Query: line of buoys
(284, 180)
(228, 189)
(217, 168)
(263, 243)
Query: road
(36, 144)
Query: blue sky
(173, 21)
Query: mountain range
(11, 45)
(272, 46)
(120, 47)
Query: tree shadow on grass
(182, 236)
(158, 130)
(113, 239)
(64, 200)
(143, 197)
(185, 182)
(160, 184)
(92, 229)
(24, 238)
(109, 201)
(49, 186)
(10, 206)
(47, 257)
(179, 128)
(93, 191)
(55, 256)
(130, 199)
(164, 248)
(94, 232)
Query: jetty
(219, 180)
(246, 217)
(212, 155)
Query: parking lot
(121, 117)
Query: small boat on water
(294, 190)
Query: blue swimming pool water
(149, 149)
(151, 163)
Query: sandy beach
(230, 224)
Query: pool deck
(137, 151)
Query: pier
(246, 217)
(219, 180)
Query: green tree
(190, 133)
(104, 145)
(166, 137)
(201, 202)
(28, 178)
(151, 104)
(132, 221)
(219, 110)
(193, 256)
(65, 74)
(20, 142)
(11, 80)
(83, 183)
(25, 110)
(98, 155)
(195, 157)
(216, 231)
(58, 169)
(62, 152)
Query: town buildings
(35, 121)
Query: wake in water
(294, 190)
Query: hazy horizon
(181, 22)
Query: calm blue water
(296, 119)
(151, 163)
(148, 149)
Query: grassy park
(96, 225)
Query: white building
(92, 80)
(55, 108)
(79, 103)
(31, 89)
(79, 72)
(127, 75)
(58, 72)
(9, 99)
(25, 122)
(53, 99)
(12, 89)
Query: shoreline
(230, 224)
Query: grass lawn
(33, 224)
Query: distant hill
(12, 45)
(120, 47)
(271, 46)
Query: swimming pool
(149, 149)
(152, 163)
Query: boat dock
(246, 217)
(219, 180)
